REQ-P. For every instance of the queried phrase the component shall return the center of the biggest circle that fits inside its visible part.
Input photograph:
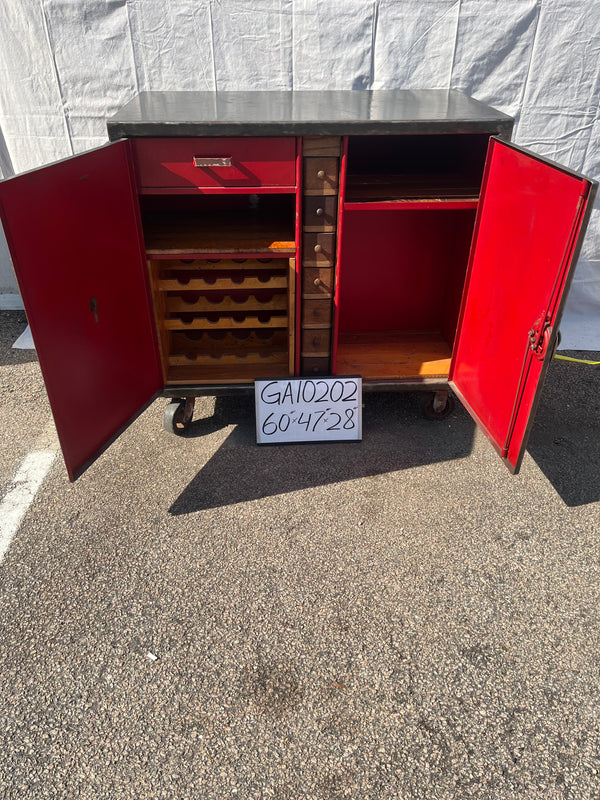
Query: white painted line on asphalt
(16, 501)
(25, 341)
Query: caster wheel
(438, 407)
(178, 415)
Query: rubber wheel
(430, 413)
(173, 417)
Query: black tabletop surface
(293, 113)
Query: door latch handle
(539, 336)
(94, 308)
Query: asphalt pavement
(198, 617)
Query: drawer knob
(315, 341)
(319, 212)
(321, 174)
(318, 248)
(212, 161)
(317, 281)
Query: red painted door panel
(74, 237)
(530, 217)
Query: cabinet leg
(188, 411)
(440, 401)
(178, 414)
(439, 405)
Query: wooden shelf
(225, 373)
(228, 304)
(423, 204)
(237, 348)
(241, 359)
(365, 188)
(225, 323)
(224, 265)
(238, 342)
(181, 232)
(222, 284)
(393, 354)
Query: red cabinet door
(531, 216)
(75, 239)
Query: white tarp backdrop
(66, 65)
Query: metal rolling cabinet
(224, 237)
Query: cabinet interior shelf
(204, 359)
(238, 343)
(206, 232)
(219, 373)
(365, 188)
(226, 323)
(413, 204)
(393, 354)
(192, 303)
(222, 284)
(210, 349)
(224, 265)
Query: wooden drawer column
(320, 189)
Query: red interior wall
(403, 269)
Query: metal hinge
(539, 336)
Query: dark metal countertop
(295, 113)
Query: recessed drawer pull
(201, 161)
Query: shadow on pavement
(396, 436)
(565, 440)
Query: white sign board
(308, 410)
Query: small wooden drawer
(320, 213)
(318, 249)
(316, 342)
(214, 163)
(316, 313)
(315, 366)
(317, 282)
(321, 145)
(320, 175)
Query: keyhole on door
(94, 308)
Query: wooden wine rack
(224, 320)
